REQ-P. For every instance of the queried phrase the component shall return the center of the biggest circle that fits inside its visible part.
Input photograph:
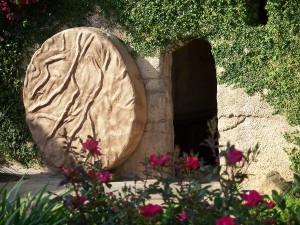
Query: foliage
(162, 25)
(260, 58)
(14, 132)
(294, 153)
(184, 197)
(36, 209)
(31, 23)
(178, 181)
(289, 203)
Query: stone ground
(36, 178)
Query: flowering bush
(233, 157)
(184, 197)
(192, 162)
(6, 10)
(92, 146)
(225, 220)
(159, 160)
(150, 210)
(252, 199)
(9, 8)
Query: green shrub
(294, 153)
(289, 203)
(31, 23)
(33, 210)
(189, 202)
(185, 199)
(14, 133)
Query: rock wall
(245, 121)
(158, 136)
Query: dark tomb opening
(262, 12)
(194, 92)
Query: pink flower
(192, 162)
(252, 199)
(153, 160)
(81, 199)
(104, 177)
(162, 161)
(226, 220)
(92, 146)
(233, 157)
(91, 173)
(269, 204)
(150, 210)
(183, 216)
(9, 17)
(66, 171)
(78, 201)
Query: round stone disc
(79, 80)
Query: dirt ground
(34, 178)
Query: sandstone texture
(245, 121)
(83, 79)
(273, 181)
(159, 133)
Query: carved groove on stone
(247, 116)
(231, 121)
(234, 122)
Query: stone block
(273, 181)
(156, 103)
(80, 79)
(154, 85)
(149, 67)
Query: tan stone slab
(246, 121)
(82, 78)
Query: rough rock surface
(82, 78)
(273, 181)
(159, 134)
(247, 120)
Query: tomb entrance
(194, 95)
